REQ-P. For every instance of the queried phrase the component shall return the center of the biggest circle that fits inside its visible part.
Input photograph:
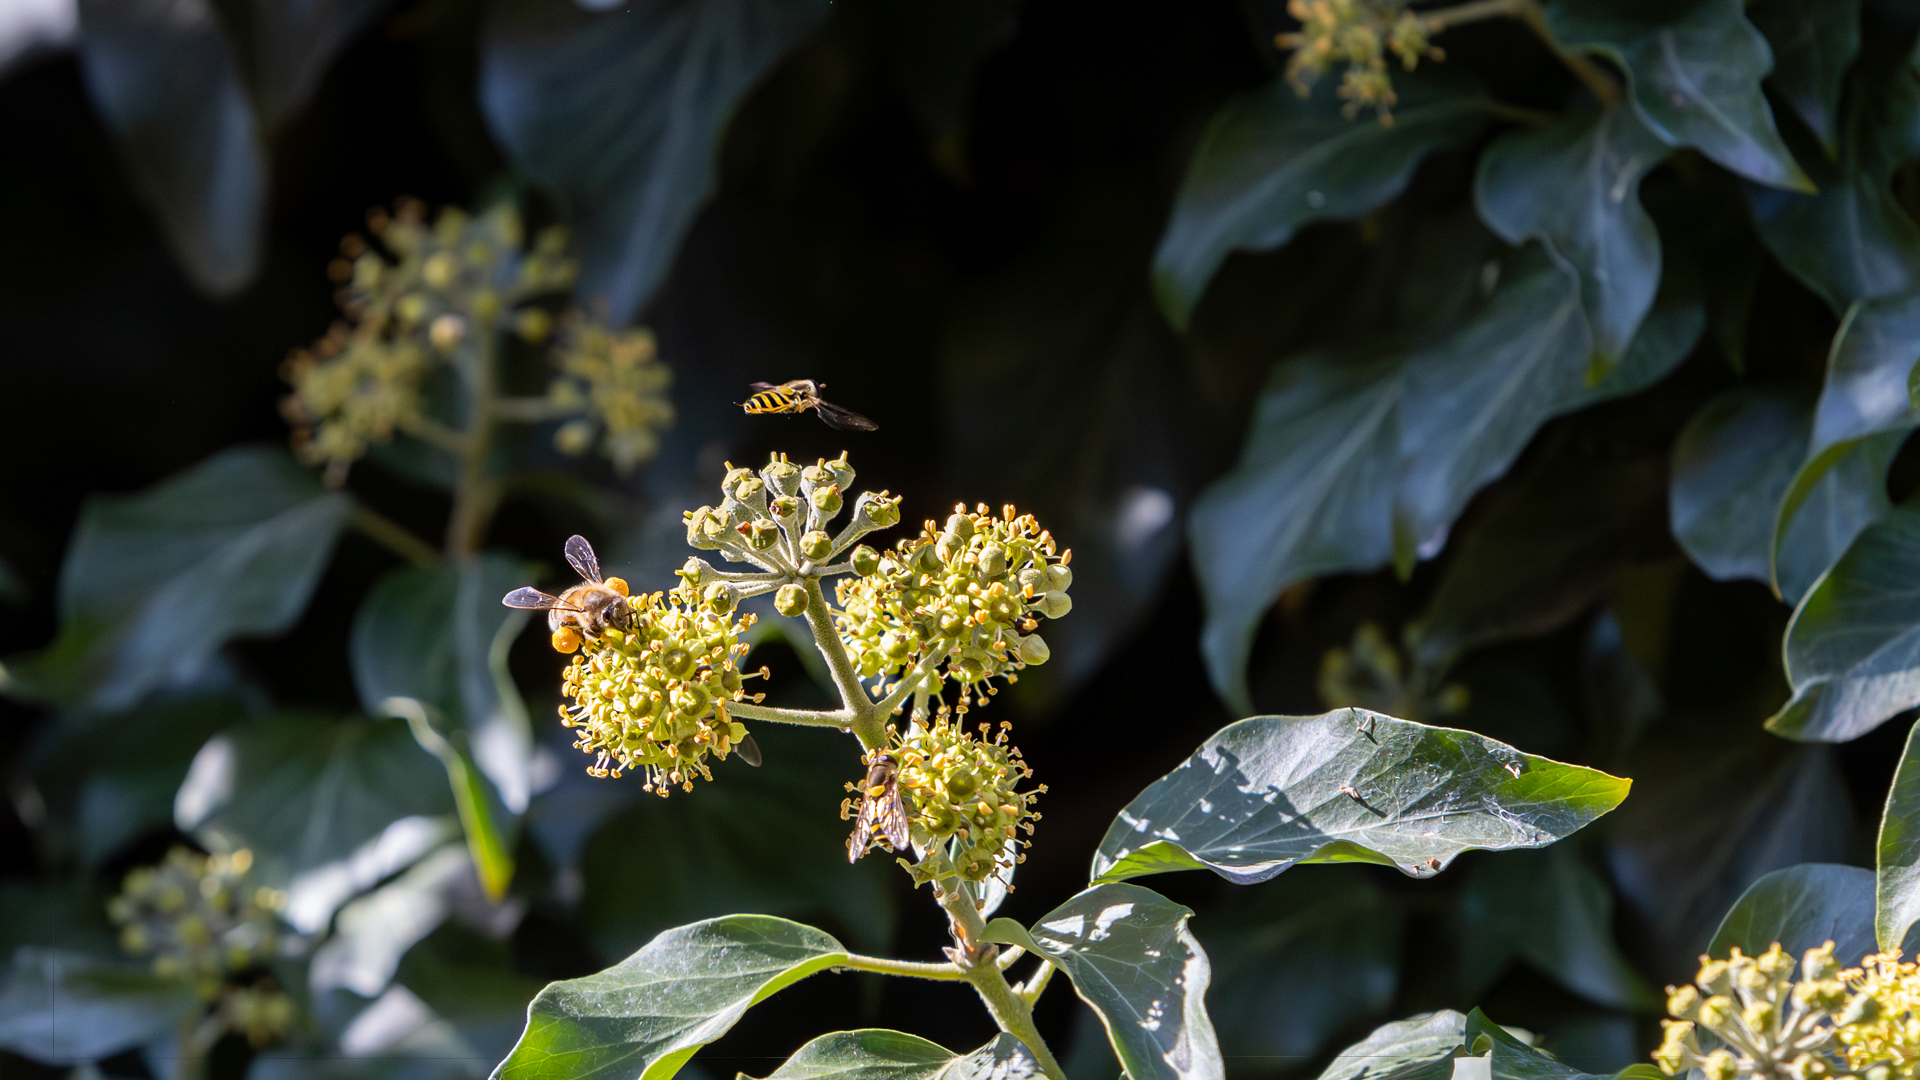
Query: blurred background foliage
(1540, 410)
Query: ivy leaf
(155, 583)
(1270, 162)
(1694, 68)
(439, 636)
(620, 116)
(1133, 960)
(1510, 1059)
(65, 1008)
(373, 932)
(1853, 647)
(1549, 909)
(1265, 793)
(1575, 185)
(1853, 240)
(1802, 907)
(166, 85)
(1814, 42)
(1299, 961)
(1418, 1048)
(1731, 467)
(643, 1018)
(879, 1054)
(314, 798)
(286, 48)
(1896, 886)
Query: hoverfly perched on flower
(797, 397)
(584, 611)
(881, 809)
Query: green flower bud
(760, 535)
(1059, 578)
(719, 598)
(959, 525)
(440, 270)
(1715, 1012)
(704, 528)
(992, 560)
(1819, 964)
(1675, 1052)
(1034, 651)
(814, 476)
(752, 491)
(841, 471)
(790, 600)
(786, 508)
(781, 475)
(881, 511)
(694, 571)
(826, 499)
(1720, 1065)
(533, 325)
(815, 545)
(1684, 1002)
(575, 437)
(865, 561)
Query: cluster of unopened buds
(962, 796)
(1371, 674)
(653, 695)
(200, 920)
(420, 297)
(971, 593)
(1360, 33)
(1748, 1016)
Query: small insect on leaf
(1347, 790)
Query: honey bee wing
(532, 599)
(580, 556)
(748, 750)
(842, 419)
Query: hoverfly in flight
(797, 397)
(586, 610)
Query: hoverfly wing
(532, 599)
(748, 750)
(842, 419)
(580, 556)
(891, 819)
(762, 386)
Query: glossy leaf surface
(1853, 647)
(1268, 792)
(1803, 907)
(1814, 42)
(155, 583)
(166, 84)
(1896, 905)
(1575, 184)
(1695, 69)
(1510, 1059)
(879, 1054)
(620, 116)
(1270, 162)
(643, 1018)
(1132, 958)
(1418, 1048)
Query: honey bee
(880, 808)
(797, 397)
(583, 611)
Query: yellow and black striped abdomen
(774, 401)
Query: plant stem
(869, 724)
(529, 410)
(912, 969)
(393, 536)
(1010, 1011)
(476, 495)
(839, 718)
(1036, 983)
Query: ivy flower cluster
(199, 920)
(614, 379)
(963, 800)
(1759, 1021)
(1371, 674)
(420, 297)
(777, 519)
(1361, 34)
(654, 696)
(971, 592)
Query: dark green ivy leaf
(620, 115)
(65, 1008)
(1347, 786)
(1814, 42)
(155, 583)
(1853, 647)
(1853, 240)
(1896, 888)
(1694, 68)
(879, 1054)
(1575, 185)
(284, 48)
(1132, 958)
(643, 1018)
(1271, 162)
(1549, 909)
(1802, 907)
(166, 85)
(1511, 1059)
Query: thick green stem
(746, 710)
(912, 969)
(869, 724)
(976, 958)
